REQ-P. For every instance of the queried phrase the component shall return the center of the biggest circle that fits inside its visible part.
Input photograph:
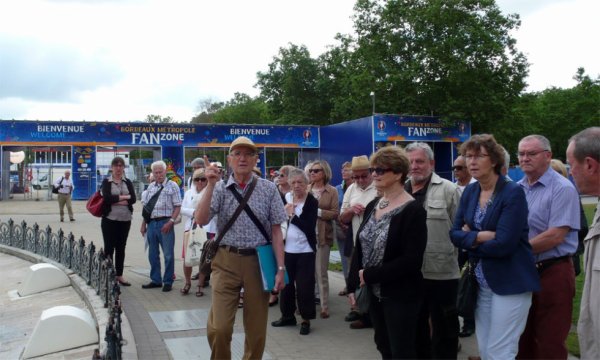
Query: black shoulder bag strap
(250, 213)
(238, 211)
(149, 207)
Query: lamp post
(373, 100)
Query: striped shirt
(265, 202)
(168, 199)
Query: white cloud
(122, 60)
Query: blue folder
(268, 267)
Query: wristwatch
(172, 220)
(281, 268)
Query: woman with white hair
(190, 201)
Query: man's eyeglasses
(379, 171)
(358, 177)
(281, 175)
(239, 154)
(200, 179)
(458, 167)
(529, 154)
(315, 171)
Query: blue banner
(418, 128)
(20, 132)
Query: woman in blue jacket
(491, 223)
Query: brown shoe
(474, 358)
(359, 324)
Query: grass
(572, 339)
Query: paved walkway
(329, 339)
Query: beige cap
(242, 141)
(217, 164)
(360, 162)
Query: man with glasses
(356, 198)
(554, 220)
(440, 198)
(461, 174)
(236, 263)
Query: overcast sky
(120, 60)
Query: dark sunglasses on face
(379, 171)
(281, 175)
(315, 171)
(458, 167)
(200, 179)
(356, 177)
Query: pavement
(329, 338)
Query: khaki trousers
(62, 200)
(231, 272)
(321, 268)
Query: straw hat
(360, 162)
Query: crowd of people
(404, 235)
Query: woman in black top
(388, 256)
(119, 196)
(300, 254)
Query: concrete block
(61, 328)
(43, 277)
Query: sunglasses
(458, 167)
(379, 171)
(200, 179)
(281, 175)
(356, 177)
(315, 171)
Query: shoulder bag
(55, 188)
(147, 210)
(466, 301)
(95, 203)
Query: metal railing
(91, 265)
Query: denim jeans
(500, 321)
(167, 243)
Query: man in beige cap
(236, 263)
(356, 198)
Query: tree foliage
(157, 119)
(555, 113)
(291, 87)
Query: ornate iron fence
(91, 265)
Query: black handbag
(466, 301)
(362, 295)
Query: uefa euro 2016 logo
(381, 125)
(306, 134)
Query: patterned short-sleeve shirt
(265, 202)
(168, 199)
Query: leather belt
(160, 218)
(544, 264)
(242, 252)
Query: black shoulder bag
(147, 210)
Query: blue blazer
(507, 260)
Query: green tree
(207, 108)
(555, 113)
(157, 119)
(290, 87)
(453, 58)
(243, 109)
